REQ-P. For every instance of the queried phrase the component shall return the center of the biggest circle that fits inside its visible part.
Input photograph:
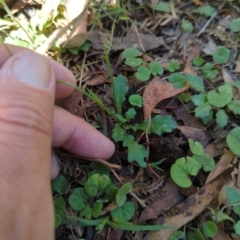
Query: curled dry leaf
(156, 91)
(191, 207)
(191, 132)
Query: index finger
(61, 73)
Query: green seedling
(235, 25)
(156, 68)
(136, 100)
(206, 10)
(178, 80)
(198, 62)
(194, 234)
(209, 229)
(178, 235)
(233, 140)
(208, 71)
(60, 184)
(186, 26)
(59, 208)
(221, 55)
(163, 7)
(131, 56)
(173, 66)
(143, 73)
(190, 166)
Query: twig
(110, 165)
(131, 193)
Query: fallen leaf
(197, 2)
(169, 198)
(81, 110)
(193, 53)
(156, 91)
(212, 151)
(188, 119)
(195, 133)
(220, 235)
(191, 207)
(97, 80)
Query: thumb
(27, 89)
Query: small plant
(190, 166)
(99, 188)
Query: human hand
(29, 126)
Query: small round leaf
(209, 229)
(125, 212)
(143, 73)
(235, 25)
(136, 100)
(222, 55)
(233, 140)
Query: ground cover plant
(162, 80)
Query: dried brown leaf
(156, 91)
(194, 133)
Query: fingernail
(30, 69)
(55, 168)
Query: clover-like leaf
(203, 110)
(237, 228)
(131, 57)
(156, 68)
(233, 196)
(235, 25)
(178, 80)
(122, 192)
(195, 147)
(76, 199)
(196, 82)
(197, 62)
(143, 73)
(136, 152)
(209, 72)
(205, 161)
(59, 208)
(221, 55)
(234, 106)
(60, 184)
(221, 97)
(124, 213)
(181, 170)
(206, 10)
(177, 235)
(221, 118)
(97, 209)
(136, 100)
(209, 229)
(233, 140)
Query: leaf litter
(184, 37)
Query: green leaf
(233, 196)
(131, 55)
(97, 209)
(75, 199)
(163, 7)
(195, 147)
(196, 82)
(122, 192)
(159, 124)
(60, 184)
(173, 66)
(219, 216)
(178, 80)
(59, 208)
(143, 73)
(221, 55)
(221, 97)
(205, 161)
(209, 229)
(95, 183)
(237, 228)
(197, 62)
(233, 140)
(195, 234)
(181, 170)
(177, 235)
(86, 212)
(120, 89)
(203, 110)
(207, 10)
(208, 118)
(136, 152)
(100, 168)
(208, 72)
(130, 114)
(234, 106)
(118, 133)
(221, 118)
(235, 25)
(124, 212)
(111, 192)
(199, 99)
(136, 100)
(156, 68)
(185, 97)
(186, 26)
